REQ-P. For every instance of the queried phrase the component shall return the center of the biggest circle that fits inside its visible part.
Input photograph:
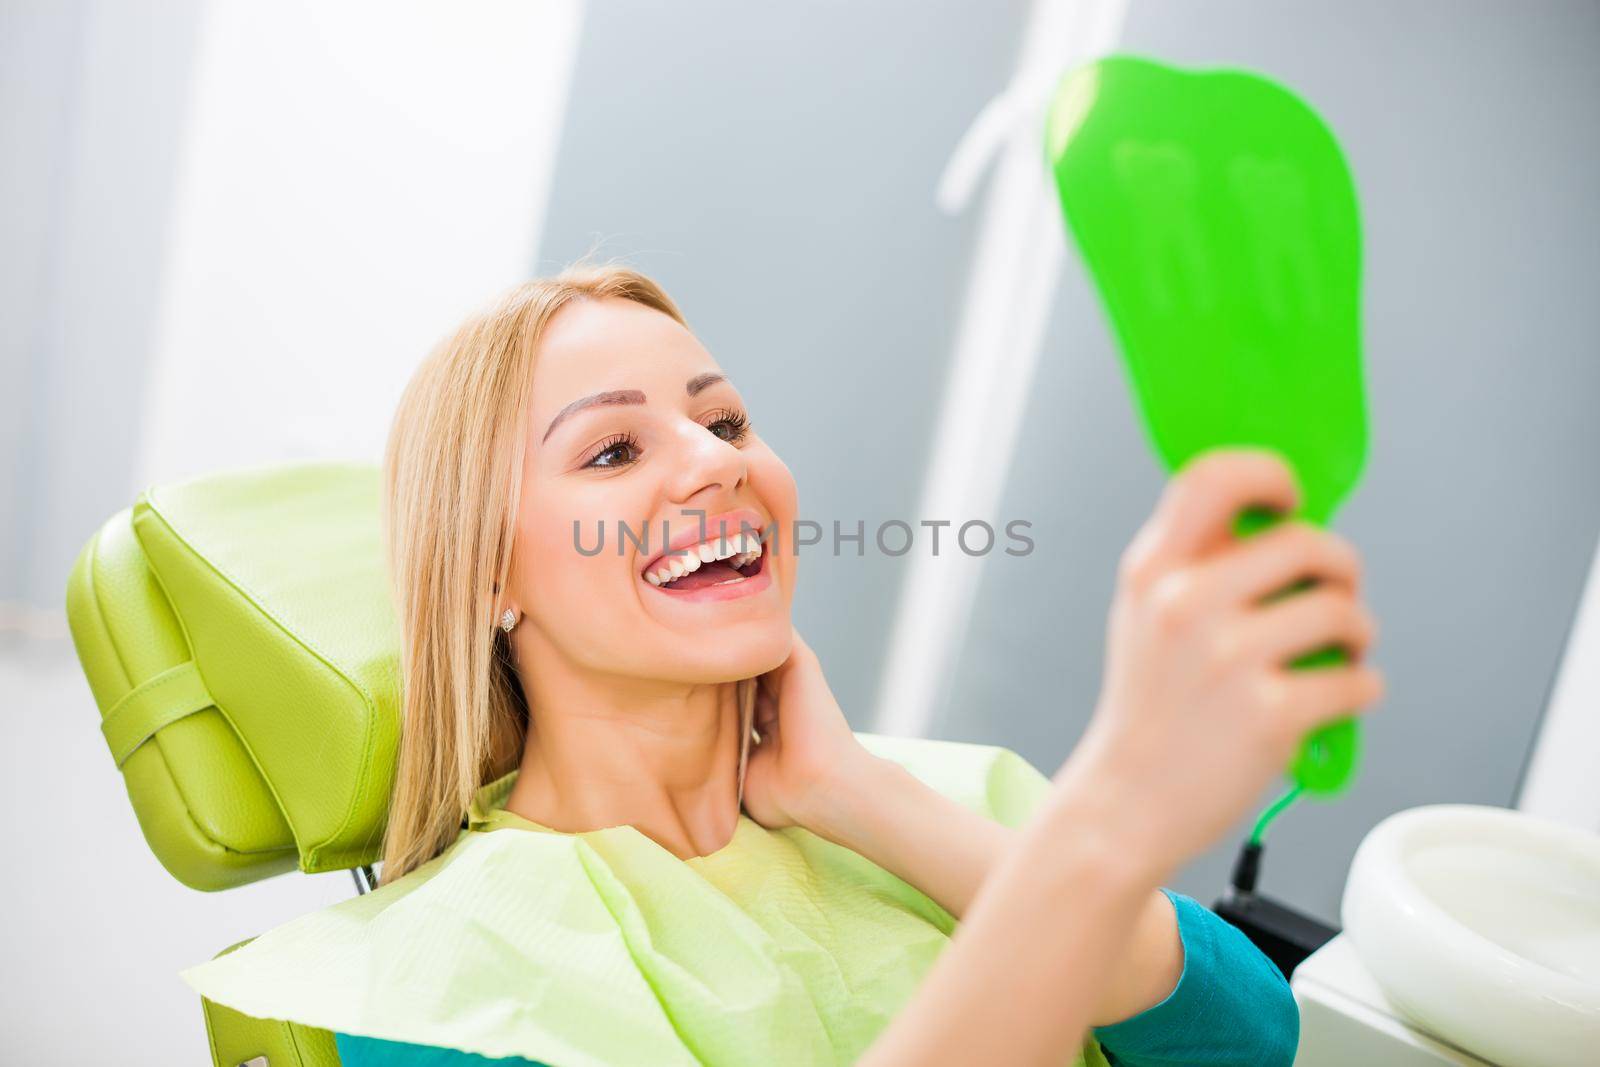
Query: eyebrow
(616, 395)
(701, 381)
(624, 396)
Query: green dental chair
(238, 636)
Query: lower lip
(727, 591)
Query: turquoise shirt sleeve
(357, 1051)
(1231, 1004)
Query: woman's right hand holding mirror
(1199, 709)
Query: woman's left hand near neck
(810, 771)
(808, 757)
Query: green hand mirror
(1217, 217)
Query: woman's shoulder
(989, 779)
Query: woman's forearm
(947, 851)
(1024, 973)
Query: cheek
(773, 483)
(580, 601)
(775, 487)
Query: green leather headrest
(239, 638)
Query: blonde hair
(452, 487)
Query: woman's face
(633, 426)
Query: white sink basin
(1482, 925)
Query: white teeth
(739, 550)
(750, 550)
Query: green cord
(1273, 811)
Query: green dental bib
(602, 948)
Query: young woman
(605, 689)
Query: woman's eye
(615, 453)
(731, 426)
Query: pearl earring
(508, 621)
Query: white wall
(356, 177)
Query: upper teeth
(740, 550)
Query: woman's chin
(727, 655)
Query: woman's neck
(606, 751)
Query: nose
(705, 465)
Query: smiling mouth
(714, 562)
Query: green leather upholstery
(239, 639)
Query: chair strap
(158, 702)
